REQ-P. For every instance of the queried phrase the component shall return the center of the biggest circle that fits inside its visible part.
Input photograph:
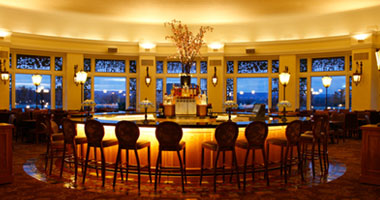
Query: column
(147, 59)
(71, 91)
(291, 89)
(4, 86)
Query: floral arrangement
(89, 102)
(188, 45)
(146, 103)
(284, 104)
(230, 104)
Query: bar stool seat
(278, 141)
(108, 143)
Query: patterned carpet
(32, 183)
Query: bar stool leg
(215, 167)
(51, 160)
(96, 162)
(184, 164)
(300, 161)
(150, 174)
(63, 159)
(312, 158)
(75, 160)
(202, 162)
(223, 166)
(282, 160)
(245, 168)
(157, 162)
(127, 165)
(291, 160)
(236, 167)
(285, 163)
(253, 165)
(182, 171)
(138, 169)
(319, 155)
(116, 166)
(265, 165)
(86, 163)
(103, 166)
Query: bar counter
(195, 131)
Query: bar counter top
(242, 120)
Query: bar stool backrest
(317, 127)
(69, 131)
(226, 135)
(256, 133)
(127, 134)
(169, 134)
(94, 131)
(293, 132)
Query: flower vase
(185, 80)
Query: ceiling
(233, 20)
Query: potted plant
(188, 46)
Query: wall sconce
(80, 77)
(147, 46)
(377, 53)
(4, 74)
(148, 79)
(214, 79)
(357, 76)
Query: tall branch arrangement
(188, 45)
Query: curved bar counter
(195, 131)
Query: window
(335, 93)
(132, 66)
(87, 64)
(275, 66)
(159, 90)
(159, 67)
(117, 66)
(33, 62)
(87, 89)
(203, 85)
(58, 92)
(26, 95)
(251, 91)
(230, 67)
(274, 92)
(303, 65)
(303, 93)
(230, 88)
(10, 91)
(175, 67)
(132, 93)
(58, 63)
(10, 60)
(203, 67)
(328, 64)
(109, 93)
(253, 66)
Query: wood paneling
(6, 173)
(370, 164)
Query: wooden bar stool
(293, 134)
(255, 133)
(127, 134)
(313, 138)
(169, 135)
(225, 136)
(94, 133)
(69, 135)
